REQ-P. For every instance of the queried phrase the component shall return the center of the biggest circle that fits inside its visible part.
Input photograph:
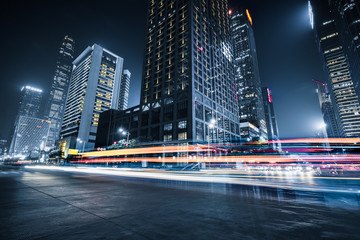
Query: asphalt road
(43, 204)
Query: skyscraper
(347, 18)
(341, 83)
(124, 89)
(94, 88)
(55, 106)
(327, 110)
(247, 77)
(29, 106)
(30, 134)
(30, 102)
(188, 92)
(271, 123)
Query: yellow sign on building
(73, 152)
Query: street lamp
(123, 132)
(83, 142)
(211, 127)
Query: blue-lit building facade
(29, 106)
(30, 135)
(124, 89)
(270, 118)
(55, 106)
(327, 110)
(188, 92)
(247, 78)
(347, 19)
(341, 83)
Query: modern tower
(30, 102)
(347, 17)
(271, 123)
(94, 88)
(124, 90)
(341, 84)
(29, 105)
(247, 78)
(55, 106)
(327, 110)
(188, 92)
(30, 135)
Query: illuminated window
(182, 136)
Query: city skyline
(131, 47)
(185, 119)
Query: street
(44, 204)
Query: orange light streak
(249, 17)
(149, 150)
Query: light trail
(319, 140)
(217, 159)
(148, 150)
(250, 180)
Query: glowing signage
(249, 17)
(73, 152)
(269, 96)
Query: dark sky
(32, 33)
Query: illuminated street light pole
(123, 132)
(211, 127)
(83, 142)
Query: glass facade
(30, 134)
(327, 109)
(30, 102)
(29, 106)
(188, 73)
(247, 77)
(271, 123)
(347, 18)
(124, 90)
(55, 107)
(341, 83)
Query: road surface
(47, 204)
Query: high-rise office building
(124, 90)
(30, 134)
(347, 18)
(55, 106)
(94, 88)
(188, 92)
(247, 78)
(327, 110)
(29, 106)
(30, 102)
(341, 84)
(270, 118)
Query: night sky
(32, 32)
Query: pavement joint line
(81, 209)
